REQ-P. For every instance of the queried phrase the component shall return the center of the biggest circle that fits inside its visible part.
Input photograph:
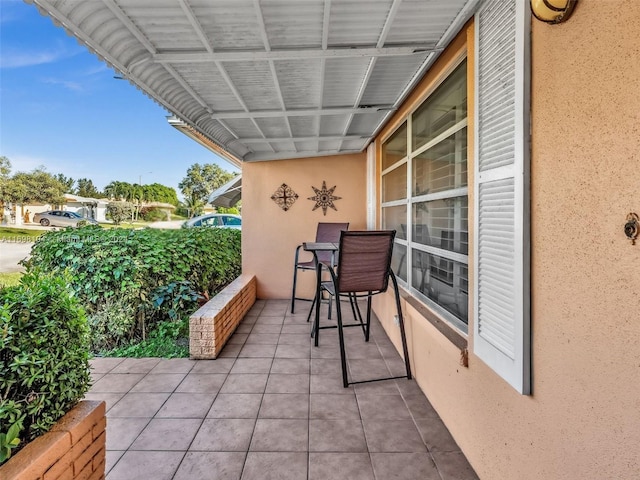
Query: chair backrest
(329, 233)
(364, 260)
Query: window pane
(394, 184)
(441, 167)
(443, 109)
(444, 281)
(442, 223)
(399, 261)
(395, 148)
(395, 218)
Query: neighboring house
(95, 208)
(504, 152)
(87, 207)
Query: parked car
(223, 220)
(61, 218)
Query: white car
(223, 220)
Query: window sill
(450, 333)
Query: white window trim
(458, 325)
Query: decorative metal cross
(324, 198)
(284, 197)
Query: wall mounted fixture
(631, 227)
(552, 11)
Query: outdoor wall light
(552, 11)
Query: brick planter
(211, 326)
(73, 449)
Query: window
(425, 199)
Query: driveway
(11, 254)
(169, 224)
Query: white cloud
(74, 86)
(16, 59)
(13, 57)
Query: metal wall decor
(284, 197)
(324, 198)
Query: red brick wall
(74, 449)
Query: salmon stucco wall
(583, 417)
(270, 235)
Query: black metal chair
(326, 233)
(364, 270)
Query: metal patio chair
(325, 233)
(364, 270)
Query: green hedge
(104, 262)
(158, 274)
(44, 352)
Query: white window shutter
(501, 195)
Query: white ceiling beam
(372, 63)
(284, 155)
(305, 139)
(195, 24)
(326, 16)
(463, 16)
(272, 66)
(302, 112)
(191, 56)
(135, 31)
(197, 27)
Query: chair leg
(343, 359)
(403, 336)
(368, 330)
(313, 303)
(293, 290)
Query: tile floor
(272, 406)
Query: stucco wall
(270, 235)
(583, 418)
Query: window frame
(410, 200)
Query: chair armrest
(295, 262)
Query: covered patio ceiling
(269, 79)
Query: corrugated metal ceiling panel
(230, 68)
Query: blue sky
(61, 108)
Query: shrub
(169, 339)
(153, 214)
(119, 211)
(175, 299)
(106, 263)
(113, 323)
(44, 357)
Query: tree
(119, 211)
(5, 170)
(38, 186)
(201, 181)
(86, 188)
(194, 206)
(68, 182)
(117, 190)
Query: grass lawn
(19, 234)
(9, 279)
